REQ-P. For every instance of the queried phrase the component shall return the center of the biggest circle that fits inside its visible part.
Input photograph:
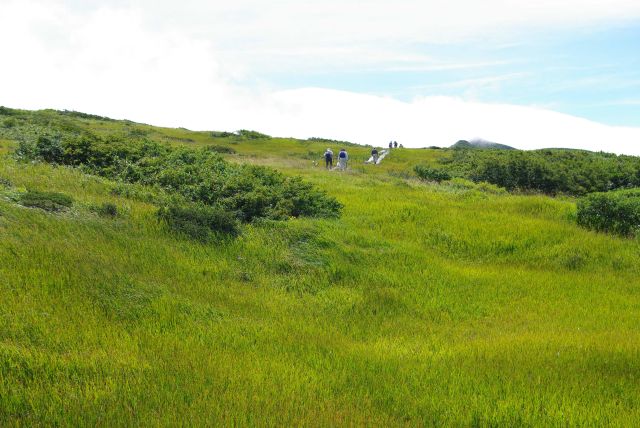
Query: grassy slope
(423, 304)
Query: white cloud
(106, 62)
(439, 121)
(111, 61)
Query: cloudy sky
(544, 73)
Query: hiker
(395, 144)
(390, 144)
(328, 159)
(343, 157)
(374, 155)
(401, 146)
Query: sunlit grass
(423, 305)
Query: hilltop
(480, 144)
(394, 301)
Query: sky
(530, 74)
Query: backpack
(343, 155)
(328, 155)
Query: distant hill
(480, 144)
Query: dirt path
(380, 156)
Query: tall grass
(423, 305)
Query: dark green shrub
(84, 115)
(9, 122)
(48, 201)
(198, 221)
(331, 142)
(137, 192)
(49, 148)
(138, 132)
(613, 212)
(199, 176)
(252, 135)
(431, 174)
(305, 200)
(106, 209)
(216, 134)
(222, 149)
(26, 150)
(5, 111)
(551, 171)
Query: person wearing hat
(328, 159)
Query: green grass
(423, 305)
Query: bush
(198, 221)
(613, 212)
(48, 201)
(216, 134)
(49, 148)
(252, 135)
(222, 149)
(26, 150)
(106, 209)
(5, 111)
(431, 174)
(200, 176)
(550, 171)
(45, 147)
(9, 122)
(81, 115)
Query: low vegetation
(105, 209)
(199, 221)
(613, 212)
(424, 304)
(431, 174)
(48, 201)
(211, 191)
(569, 172)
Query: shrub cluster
(198, 221)
(197, 176)
(222, 149)
(48, 201)
(330, 141)
(81, 115)
(222, 134)
(615, 212)
(106, 209)
(572, 172)
(251, 135)
(431, 174)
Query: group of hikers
(343, 156)
(394, 144)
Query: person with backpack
(374, 155)
(390, 144)
(343, 157)
(395, 144)
(328, 159)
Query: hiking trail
(381, 156)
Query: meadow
(423, 305)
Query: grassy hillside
(424, 304)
